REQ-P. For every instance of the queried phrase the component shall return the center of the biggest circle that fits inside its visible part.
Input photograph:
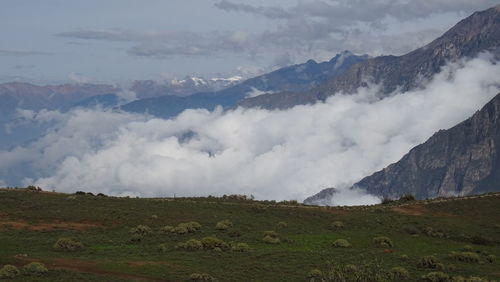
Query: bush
(342, 243)
(470, 279)
(282, 224)
(141, 230)
(80, 193)
(271, 240)
(383, 241)
(210, 243)
(162, 248)
(240, 247)
(223, 225)
(192, 226)
(315, 275)
(201, 277)
(272, 234)
(436, 277)
(136, 238)
(429, 231)
(193, 245)
(337, 225)
(404, 257)
(35, 268)
(68, 245)
(9, 272)
(410, 229)
(181, 230)
(399, 273)
(154, 216)
(167, 229)
(465, 257)
(467, 248)
(232, 232)
(407, 198)
(430, 262)
(490, 258)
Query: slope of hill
(263, 240)
(462, 160)
(478, 33)
(296, 77)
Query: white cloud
(278, 155)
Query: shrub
(67, 245)
(436, 277)
(383, 241)
(181, 230)
(282, 224)
(141, 230)
(271, 240)
(193, 245)
(272, 234)
(240, 247)
(136, 238)
(315, 275)
(154, 216)
(162, 248)
(465, 256)
(191, 227)
(80, 193)
(410, 229)
(470, 279)
(429, 262)
(342, 243)
(211, 243)
(404, 257)
(9, 271)
(223, 225)
(232, 232)
(399, 273)
(467, 248)
(35, 268)
(201, 277)
(481, 240)
(167, 229)
(407, 198)
(337, 225)
(490, 258)
(429, 231)
(34, 188)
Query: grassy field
(31, 222)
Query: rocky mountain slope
(478, 33)
(462, 160)
(296, 77)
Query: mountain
(477, 33)
(462, 160)
(183, 87)
(296, 77)
(33, 97)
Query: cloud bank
(277, 155)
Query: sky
(117, 41)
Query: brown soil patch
(87, 267)
(21, 225)
(410, 210)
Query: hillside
(461, 233)
(479, 32)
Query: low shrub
(191, 227)
(232, 232)
(467, 248)
(35, 268)
(337, 225)
(67, 245)
(154, 216)
(201, 277)
(282, 224)
(193, 245)
(490, 258)
(210, 243)
(404, 257)
(469, 279)
(315, 275)
(437, 276)
(271, 234)
(141, 230)
(429, 231)
(162, 248)
(410, 229)
(180, 230)
(399, 273)
(342, 243)
(136, 238)
(271, 240)
(383, 241)
(223, 225)
(465, 257)
(240, 247)
(430, 262)
(166, 229)
(9, 272)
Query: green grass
(306, 242)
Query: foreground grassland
(462, 234)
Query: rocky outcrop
(459, 161)
(478, 33)
(323, 198)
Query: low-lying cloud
(278, 155)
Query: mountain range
(296, 77)
(479, 32)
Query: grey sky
(122, 40)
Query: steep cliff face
(478, 33)
(462, 160)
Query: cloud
(78, 78)
(21, 53)
(278, 155)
